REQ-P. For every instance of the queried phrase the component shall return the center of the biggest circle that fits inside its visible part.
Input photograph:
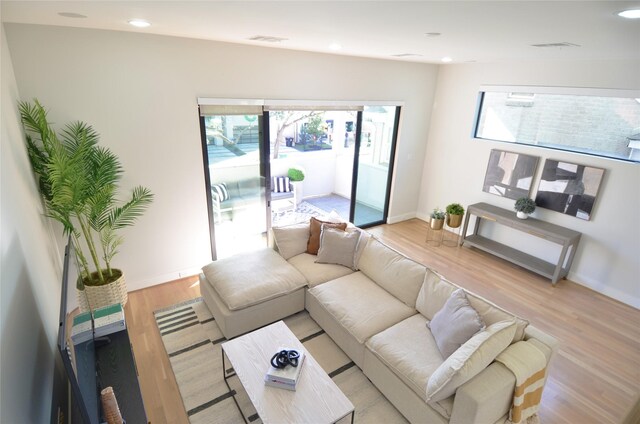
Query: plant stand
(451, 236)
(434, 237)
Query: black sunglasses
(284, 358)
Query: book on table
(108, 319)
(82, 329)
(285, 378)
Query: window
(591, 121)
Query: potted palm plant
(437, 219)
(524, 207)
(78, 181)
(455, 211)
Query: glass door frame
(356, 162)
(265, 173)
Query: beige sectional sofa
(378, 314)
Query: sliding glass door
(281, 165)
(235, 177)
(373, 164)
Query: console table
(117, 368)
(565, 237)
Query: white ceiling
(481, 31)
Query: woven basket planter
(93, 297)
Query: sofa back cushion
(436, 290)
(291, 240)
(469, 360)
(392, 271)
(249, 187)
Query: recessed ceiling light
(71, 15)
(432, 34)
(139, 23)
(630, 14)
(446, 59)
(406, 55)
(267, 38)
(335, 46)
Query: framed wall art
(569, 188)
(509, 174)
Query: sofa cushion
(337, 247)
(392, 271)
(360, 306)
(409, 351)
(469, 360)
(250, 188)
(455, 323)
(291, 240)
(362, 243)
(436, 290)
(245, 280)
(316, 273)
(315, 227)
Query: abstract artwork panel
(569, 188)
(509, 174)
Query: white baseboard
(399, 218)
(605, 290)
(423, 216)
(162, 278)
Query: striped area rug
(192, 341)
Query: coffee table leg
(233, 393)
(353, 415)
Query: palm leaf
(127, 214)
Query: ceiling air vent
(406, 55)
(562, 44)
(267, 38)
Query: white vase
(522, 215)
(297, 191)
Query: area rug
(192, 340)
(302, 213)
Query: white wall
(319, 179)
(139, 92)
(455, 164)
(31, 273)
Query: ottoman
(248, 291)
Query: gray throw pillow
(337, 247)
(455, 323)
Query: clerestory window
(590, 121)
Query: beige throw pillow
(337, 247)
(469, 360)
(315, 226)
(455, 323)
(291, 240)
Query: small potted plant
(296, 176)
(437, 219)
(524, 207)
(455, 211)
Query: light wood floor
(594, 378)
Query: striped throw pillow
(220, 190)
(281, 185)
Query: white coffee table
(317, 399)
